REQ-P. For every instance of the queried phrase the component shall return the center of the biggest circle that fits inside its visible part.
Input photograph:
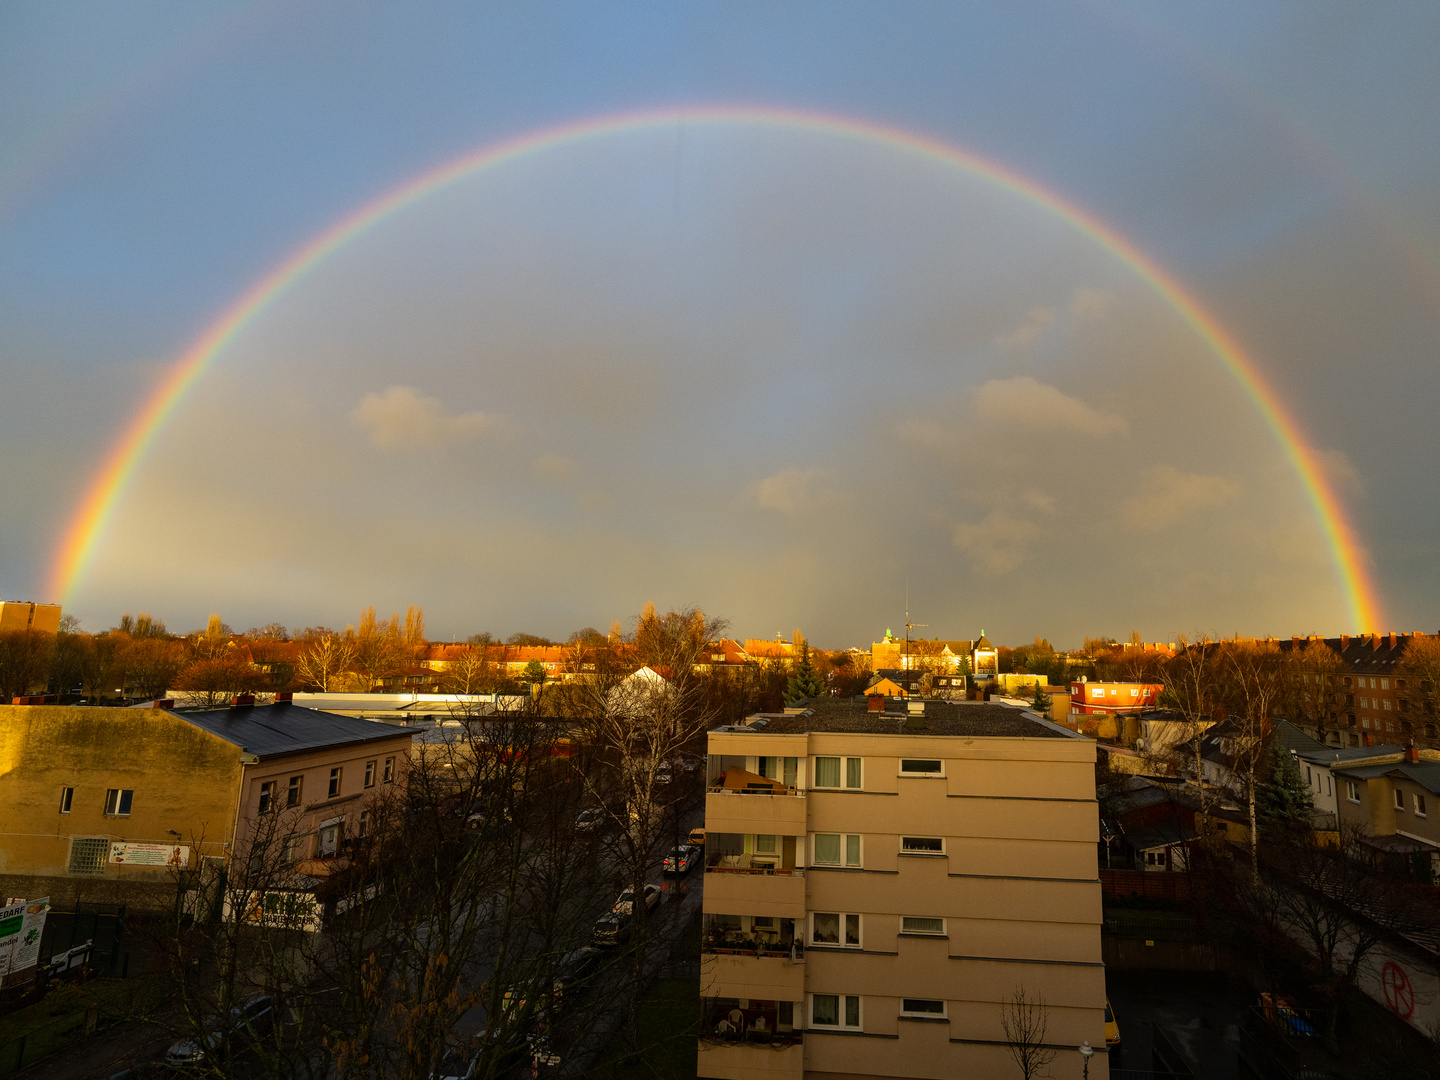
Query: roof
(964, 718)
(1424, 773)
(272, 730)
(1293, 739)
(1345, 755)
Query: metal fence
(106, 1008)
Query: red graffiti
(1399, 994)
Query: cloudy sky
(775, 370)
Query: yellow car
(1112, 1031)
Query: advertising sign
(20, 928)
(176, 855)
(278, 909)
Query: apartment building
(104, 805)
(882, 876)
(1394, 804)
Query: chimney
(1375, 641)
(284, 697)
(875, 702)
(30, 699)
(1393, 639)
(164, 703)
(1344, 642)
(1412, 754)
(242, 699)
(1294, 642)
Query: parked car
(625, 905)
(589, 821)
(696, 838)
(1112, 1033)
(681, 859)
(574, 969)
(690, 764)
(611, 929)
(455, 1066)
(249, 1019)
(664, 773)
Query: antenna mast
(905, 663)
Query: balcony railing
(738, 944)
(717, 788)
(745, 864)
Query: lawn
(58, 1020)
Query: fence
(98, 1009)
(1151, 884)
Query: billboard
(20, 928)
(176, 855)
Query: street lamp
(1087, 1052)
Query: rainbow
(87, 526)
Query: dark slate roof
(1424, 773)
(272, 730)
(1343, 755)
(965, 718)
(1293, 739)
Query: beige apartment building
(878, 883)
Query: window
(915, 924)
(1399, 799)
(827, 772)
(67, 796)
(1372, 684)
(835, 1010)
(329, 838)
(369, 774)
(364, 823)
(829, 848)
(335, 781)
(1364, 703)
(1352, 792)
(267, 796)
(921, 1007)
(87, 856)
(1384, 684)
(765, 844)
(922, 845)
(837, 928)
(117, 802)
(1386, 704)
(292, 796)
(921, 767)
(1419, 805)
(389, 769)
(1308, 781)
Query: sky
(863, 302)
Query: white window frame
(389, 774)
(1352, 791)
(337, 781)
(915, 772)
(1419, 803)
(943, 1014)
(841, 1001)
(842, 918)
(917, 851)
(844, 862)
(370, 774)
(922, 933)
(67, 799)
(267, 796)
(294, 791)
(116, 798)
(844, 773)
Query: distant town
(664, 849)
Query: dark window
(117, 802)
(921, 766)
(922, 1006)
(267, 796)
(67, 796)
(389, 769)
(369, 774)
(292, 796)
(334, 782)
(922, 845)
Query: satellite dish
(1084, 678)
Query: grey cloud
(1025, 402)
(401, 416)
(1169, 496)
(997, 542)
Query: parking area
(1197, 1014)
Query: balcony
(739, 883)
(775, 809)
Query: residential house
(107, 804)
(880, 877)
(1394, 805)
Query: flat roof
(968, 719)
(271, 730)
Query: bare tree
(1190, 680)
(1420, 664)
(24, 661)
(323, 660)
(1025, 1021)
(1256, 681)
(1316, 686)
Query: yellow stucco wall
(183, 779)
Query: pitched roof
(1424, 773)
(272, 730)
